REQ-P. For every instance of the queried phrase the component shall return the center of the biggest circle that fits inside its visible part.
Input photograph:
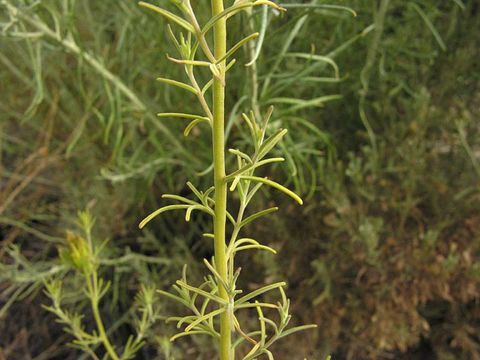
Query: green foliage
(216, 298)
(382, 145)
(399, 179)
(83, 255)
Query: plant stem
(218, 139)
(92, 285)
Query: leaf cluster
(84, 257)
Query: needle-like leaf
(194, 123)
(183, 115)
(257, 215)
(270, 143)
(201, 292)
(204, 317)
(320, 6)
(168, 15)
(159, 211)
(276, 186)
(177, 84)
(189, 333)
(252, 166)
(236, 47)
(260, 291)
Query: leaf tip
(143, 223)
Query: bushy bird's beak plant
(217, 300)
(214, 304)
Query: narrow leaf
(241, 154)
(276, 186)
(192, 124)
(236, 47)
(259, 247)
(188, 333)
(183, 115)
(315, 57)
(201, 292)
(179, 198)
(188, 213)
(258, 292)
(263, 31)
(188, 62)
(228, 11)
(215, 273)
(252, 193)
(178, 84)
(430, 26)
(232, 248)
(270, 143)
(197, 192)
(159, 211)
(167, 14)
(255, 216)
(320, 6)
(256, 304)
(253, 166)
(296, 329)
(232, 10)
(252, 352)
(203, 318)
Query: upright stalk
(216, 297)
(218, 136)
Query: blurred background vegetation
(384, 146)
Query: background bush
(383, 256)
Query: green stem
(218, 138)
(93, 289)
